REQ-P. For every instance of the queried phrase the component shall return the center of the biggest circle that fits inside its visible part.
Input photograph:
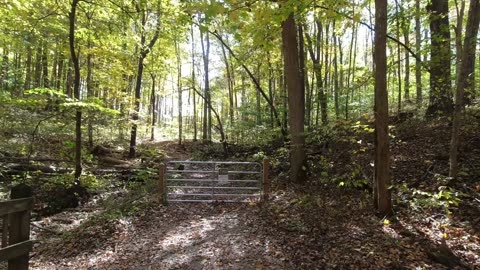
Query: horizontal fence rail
(16, 243)
(213, 181)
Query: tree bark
(179, 89)
(153, 103)
(418, 64)
(296, 99)
(382, 197)
(195, 131)
(207, 122)
(76, 92)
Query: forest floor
(323, 224)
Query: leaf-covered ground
(293, 231)
(327, 223)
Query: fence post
(4, 231)
(19, 231)
(162, 185)
(266, 180)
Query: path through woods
(318, 227)
(200, 236)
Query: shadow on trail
(195, 236)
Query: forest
(360, 118)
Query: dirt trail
(182, 236)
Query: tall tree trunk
(399, 59)
(458, 38)
(53, 76)
(144, 51)
(195, 131)
(465, 79)
(179, 89)
(38, 66)
(315, 55)
(382, 198)
(60, 71)
(440, 54)
(153, 104)
(335, 74)
(90, 92)
(45, 80)
(76, 92)
(418, 64)
(28, 64)
(271, 86)
(350, 71)
(296, 99)
(229, 85)
(257, 100)
(207, 123)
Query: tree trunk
(90, 92)
(207, 123)
(335, 74)
(382, 198)
(45, 80)
(399, 59)
(144, 51)
(195, 131)
(440, 83)
(465, 79)
(418, 64)
(258, 100)
(296, 99)
(458, 38)
(153, 106)
(179, 88)
(38, 65)
(76, 92)
(229, 85)
(28, 64)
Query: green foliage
(444, 198)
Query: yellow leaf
(386, 222)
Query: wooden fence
(16, 243)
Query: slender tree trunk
(257, 100)
(60, 71)
(153, 104)
(296, 99)
(271, 83)
(207, 124)
(45, 80)
(458, 38)
(90, 92)
(53, 76)
(195, 131)
(76, 92)
(382, 198)
(418, 64)
(229, 85)
(28, 64)
(399, 60)
(350, 71)
(335, 74)
(465, 79)
(179, 88)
